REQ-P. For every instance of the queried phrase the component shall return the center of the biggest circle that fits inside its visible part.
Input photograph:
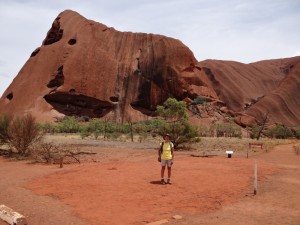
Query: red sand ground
(126, 190)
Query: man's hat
(167, 135)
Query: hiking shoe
(162, 181)
(169, 181)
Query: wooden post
(131, 131)
(61, 162)
(105, 121)
(255, 177)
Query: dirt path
(277, 202)
(127, 191)
(122, 188)
(37, 209)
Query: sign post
(255, 177)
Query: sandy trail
(122, 188)
(277, 202)
(37, 209)
(127, 191)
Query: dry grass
(207, 145)
(240, 146)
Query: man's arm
(159, 151)
(159, 154)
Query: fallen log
(11, 217)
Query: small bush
(5, 122)
(69, 125)
(23, 133)
(279, 131)
(298, 132)
(203, 131)
(200, 100)
(52, 153)
(45, 152)
(49, 128)
(229, 129)
(84, 131)
(185, 133)
(95, 127)
(253, 130)
(139, 128)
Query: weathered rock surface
(85, 68)
(283, 103)
(271, 86)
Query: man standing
(166, 157)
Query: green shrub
(298, 132)
(84, 131)
(279, 131)
(139, 128)
(69, 125)
(253, 130)
(123, 128)
(49, 128)
(176, 122)
(185, 133)
(200, 100)
(96, 127)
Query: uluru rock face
(282, 103)
(253, 90)
(85, 68)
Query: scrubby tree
(23, 132)
(256, 130)
(298, 132)
(176, 121)
(262, 125)
(5, 121)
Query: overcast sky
(239, 30)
